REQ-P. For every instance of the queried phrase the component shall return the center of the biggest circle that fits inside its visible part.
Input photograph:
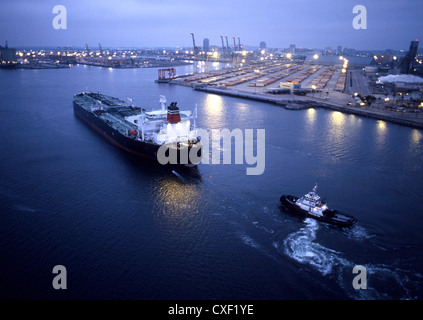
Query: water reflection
(311, 116)
(336, 128)
(381, 133)
(415, 140)
(213, 108)
(243, 112)
(337, 119)
(310, 121)
(176, 201)
(416, 137)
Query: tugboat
(311, 206)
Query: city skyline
(308, 24)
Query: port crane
(223, 46)
(193, 43)
(88, 49)
(101, 49)
(227, 46)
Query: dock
(300, 103)
(322, 86)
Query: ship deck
(120, 115)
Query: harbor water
(126, 228)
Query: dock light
(341, 58)
(386, 99)
(215, 54)
(355, 94)
(421, 105)
(289, 55)
(344, 70)
(316, 56)
(263, 51)
(313, 87)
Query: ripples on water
(384, 281)
(131, 230)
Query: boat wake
(302, 246)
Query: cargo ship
(167, 135)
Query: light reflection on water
(311, 116)
(381, 134)
(176, 198)
(415, 137)
(213, 108)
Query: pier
(297, 86)
(299, 103)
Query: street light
(316, 56)
(314, 88)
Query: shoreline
(300, 103)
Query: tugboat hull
(329, 215)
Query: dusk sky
(391, 24)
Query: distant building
(339, 50)
(406, 64)
(292, 48)
(349, 51)
(292, 87)
(262, 45)
(206, 45)
(7, 55)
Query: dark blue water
(129, 229)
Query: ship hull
(329, 216)
(135, 147)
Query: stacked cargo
(322, 80)
(298, 78)
(340, 84)
(283, 72)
